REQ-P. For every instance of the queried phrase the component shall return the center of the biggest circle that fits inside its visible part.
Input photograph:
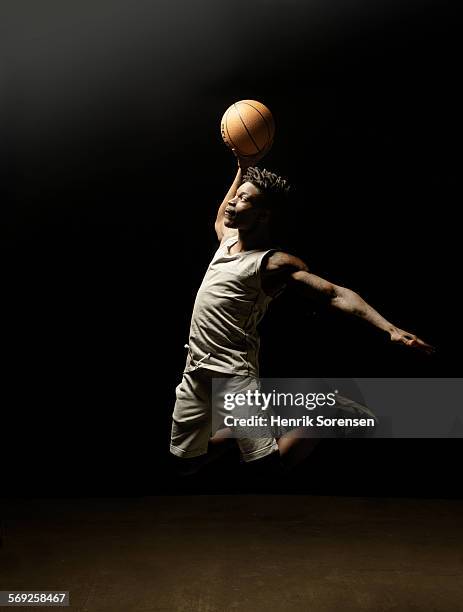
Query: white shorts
(192, 416)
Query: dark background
(113, 167)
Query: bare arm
(220, 229)
(243, 164)
(293, 271)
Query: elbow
(348, 301)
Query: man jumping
(245, 274)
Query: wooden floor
(250, 552)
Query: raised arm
(220, 228)
(292, 271)
(243, 164)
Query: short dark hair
(273, 187)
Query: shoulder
(279, 261)
(278, 267)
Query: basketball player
(245, 274)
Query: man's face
(244, 211)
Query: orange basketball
(248, 127)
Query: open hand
(399, 336)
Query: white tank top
(229, 304)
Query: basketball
(248, 127)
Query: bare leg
(294, 449)
(272, 469)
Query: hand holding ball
(248, 128)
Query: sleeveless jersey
(229, 304)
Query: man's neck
(254, 239)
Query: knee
(294, 450)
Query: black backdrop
(113, 167)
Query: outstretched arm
(293, 271)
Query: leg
(217, 446)
(191, 440)
(262, 443)
(191, 423)
(294, 449)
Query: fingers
(424, 346)
(413, 341)
(428, 348)
(242, 162)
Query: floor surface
(229, 552)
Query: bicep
(293, 272)
(313, 285)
